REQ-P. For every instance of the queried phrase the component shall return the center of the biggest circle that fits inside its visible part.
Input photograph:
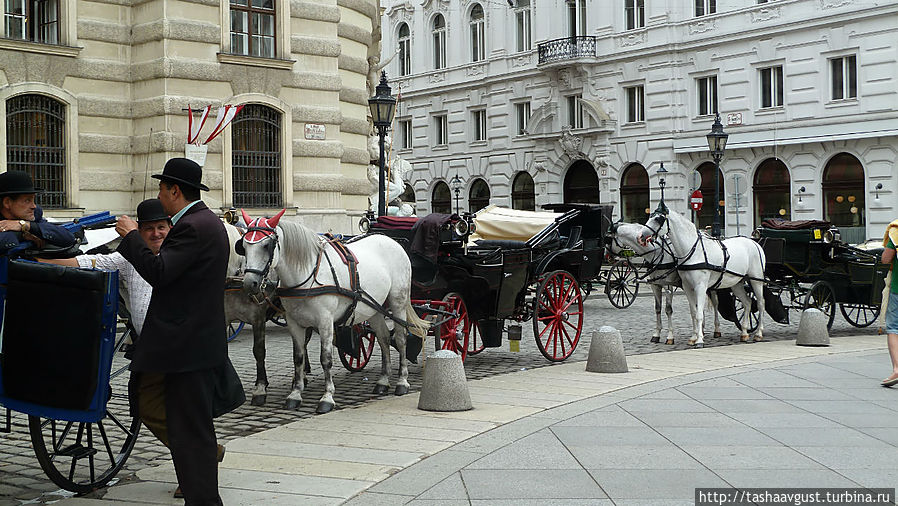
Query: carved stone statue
(398, 170)
(374, 69)
(571, 143)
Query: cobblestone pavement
(21, 479)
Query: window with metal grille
(35, 143)
(256, 157)
(252, 28)
(34, 20)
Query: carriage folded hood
(504, 224)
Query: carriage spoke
(90, 457)
(106, 441)
(65, 433)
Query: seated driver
(22, 220)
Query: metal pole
(715, 227)
(381, 183)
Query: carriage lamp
(756, 234)
(782, 211)
(662, 183)
(717, 142)
(876, 190)
(383, 106)
(800, 191)
(366, 221)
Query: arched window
(772, 191)
(843, 197)
(405, 50)
(705, 217)
(478, 39)
(441, 200)
(634, 194)
(581, 184)
(523, 195)
(479, 196)
(35, 143)
(439, 42)
(256, 157)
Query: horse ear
(614, 226)
(273, 221)
(246, 217)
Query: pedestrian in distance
(890, 303)
(23, 220)
(183, 339)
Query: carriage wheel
(80, 456)
(234, 328)
(859, 315)
(752, 317)
(475, 340)
(455, 333)
(622, 284)
(822, 297)
(558, 315)
(366, 347)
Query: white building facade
(527, 102)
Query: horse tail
(416, 325)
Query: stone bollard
(606, 351)
(812, 329)
(445, 387)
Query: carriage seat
(781, 224)
(395, 222)
(498, 243)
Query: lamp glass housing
(717, 138)
(382, 104)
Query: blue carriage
(58, 340)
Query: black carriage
(469, 288)
(808, 262)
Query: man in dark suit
(183, 335)
(21, 219)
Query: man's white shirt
(133, 288)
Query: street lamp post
(456, 186)
(383, 106)
(717, 141)
(662, 183)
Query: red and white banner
(194, 127)
(226, 115)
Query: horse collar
(258, 230)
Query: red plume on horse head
(273, 221)
(246, 218)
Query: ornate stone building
(95, 96)
(529, 102)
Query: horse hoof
(258, 400)
(717, 335)
(380, 389)
(699, 345)
(691, 342)
(655, 339)
(744, 339)
(669, 341)
(292, 404)
(324, 407)
(401, 390)
(758, 339)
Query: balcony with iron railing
(566, 49)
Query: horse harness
(653, 264)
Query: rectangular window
(478, 117)
(705, 7)
(707, 95)
(405, 134)
(32, 20)
(771, 87)
(522, 18)
(844, 77)
(522, 111)
(575, 111)
(635, 104)
(634, 11)
(440, 130)
(252, 28)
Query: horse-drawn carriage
(808, 261)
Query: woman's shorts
(892, 314)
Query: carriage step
(76, 451)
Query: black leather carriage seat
(501, 244)
(52, 330)
(781, 224)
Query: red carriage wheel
(366, 339)
(454, 333)
(475, 340)
(558, 315)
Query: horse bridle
(267, 233)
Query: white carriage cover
(501, 223)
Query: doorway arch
(581, 184)
(843, 197)
(705, 217)
(634, 194)
(771, 190)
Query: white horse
(302, 260)
(661, 277)
(706, 263)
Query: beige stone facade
(126, 70)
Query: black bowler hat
(17, 182)
(183, 172)
(151, 210)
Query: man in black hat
(183, 336)
(22, 219)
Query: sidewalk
(767, 414)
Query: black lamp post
(456, 186)
(717, 142)
(383, 106)
(662, 183)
